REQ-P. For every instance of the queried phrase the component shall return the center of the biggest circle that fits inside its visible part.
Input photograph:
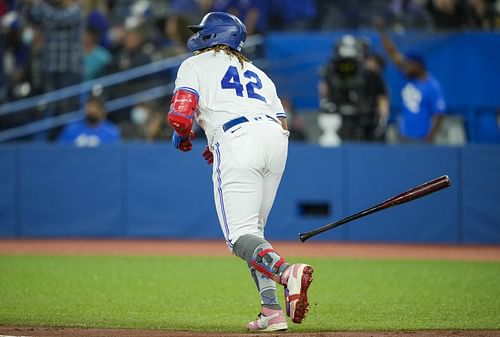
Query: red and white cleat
(268, 320)
(297, 278)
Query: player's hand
(183, 143)
(208, 155)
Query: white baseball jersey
(250, 157)
(226, 91)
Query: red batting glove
(208, 155)
(183, 143)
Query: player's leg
(238, 195)
(265, 260)
(252, 248)
(297, 277)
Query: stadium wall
(153, 191)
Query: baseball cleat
(268, 320)
(297, 278)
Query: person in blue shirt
(94, 130)
(96, 58)
(423, 101)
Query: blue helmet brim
(195, 28)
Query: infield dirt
(74, 332)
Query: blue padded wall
(156, 192)
(8, 192)
(169, 194)
(68, 192)
(481, 194)
(376, 173)
(312, 175)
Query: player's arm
(382, 112)
(438, 106)
(183, 105)
(180, 117)
(435, 124)
(382, 104)
(283, 122)
(182, 109)
(388, 44)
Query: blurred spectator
(33, 36)
(22, 63)
(96, 58)
(296, 125)
(299, 14)
(176, 34)
(119, 10)
(482, 14)
(187, 7)
(62, 26)
(353, 14)
(253, 13)
(336, 14)
(352, 87)
(130, 16)
(423, 101)
(406, 14)
(94, 130)
(375, 63)
(3, 79)
(42, 48)
(15, 55)
(145, 124)
(117, 35)
(142, 17)
(98, 21)
(193, 8)
(447, 14)
(133, 53)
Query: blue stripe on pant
(221, 196)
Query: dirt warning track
(218, 248)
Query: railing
(86, 87)
(73, 116)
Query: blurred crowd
(52, 44)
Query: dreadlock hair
(229, 51)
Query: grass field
(217, 293)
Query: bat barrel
(418, 192)
(412, 194)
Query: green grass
(217, 294)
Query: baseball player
(236, 104)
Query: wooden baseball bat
(412, 194)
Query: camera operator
(352, 88)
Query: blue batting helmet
(217, 28)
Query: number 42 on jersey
(231, 80)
